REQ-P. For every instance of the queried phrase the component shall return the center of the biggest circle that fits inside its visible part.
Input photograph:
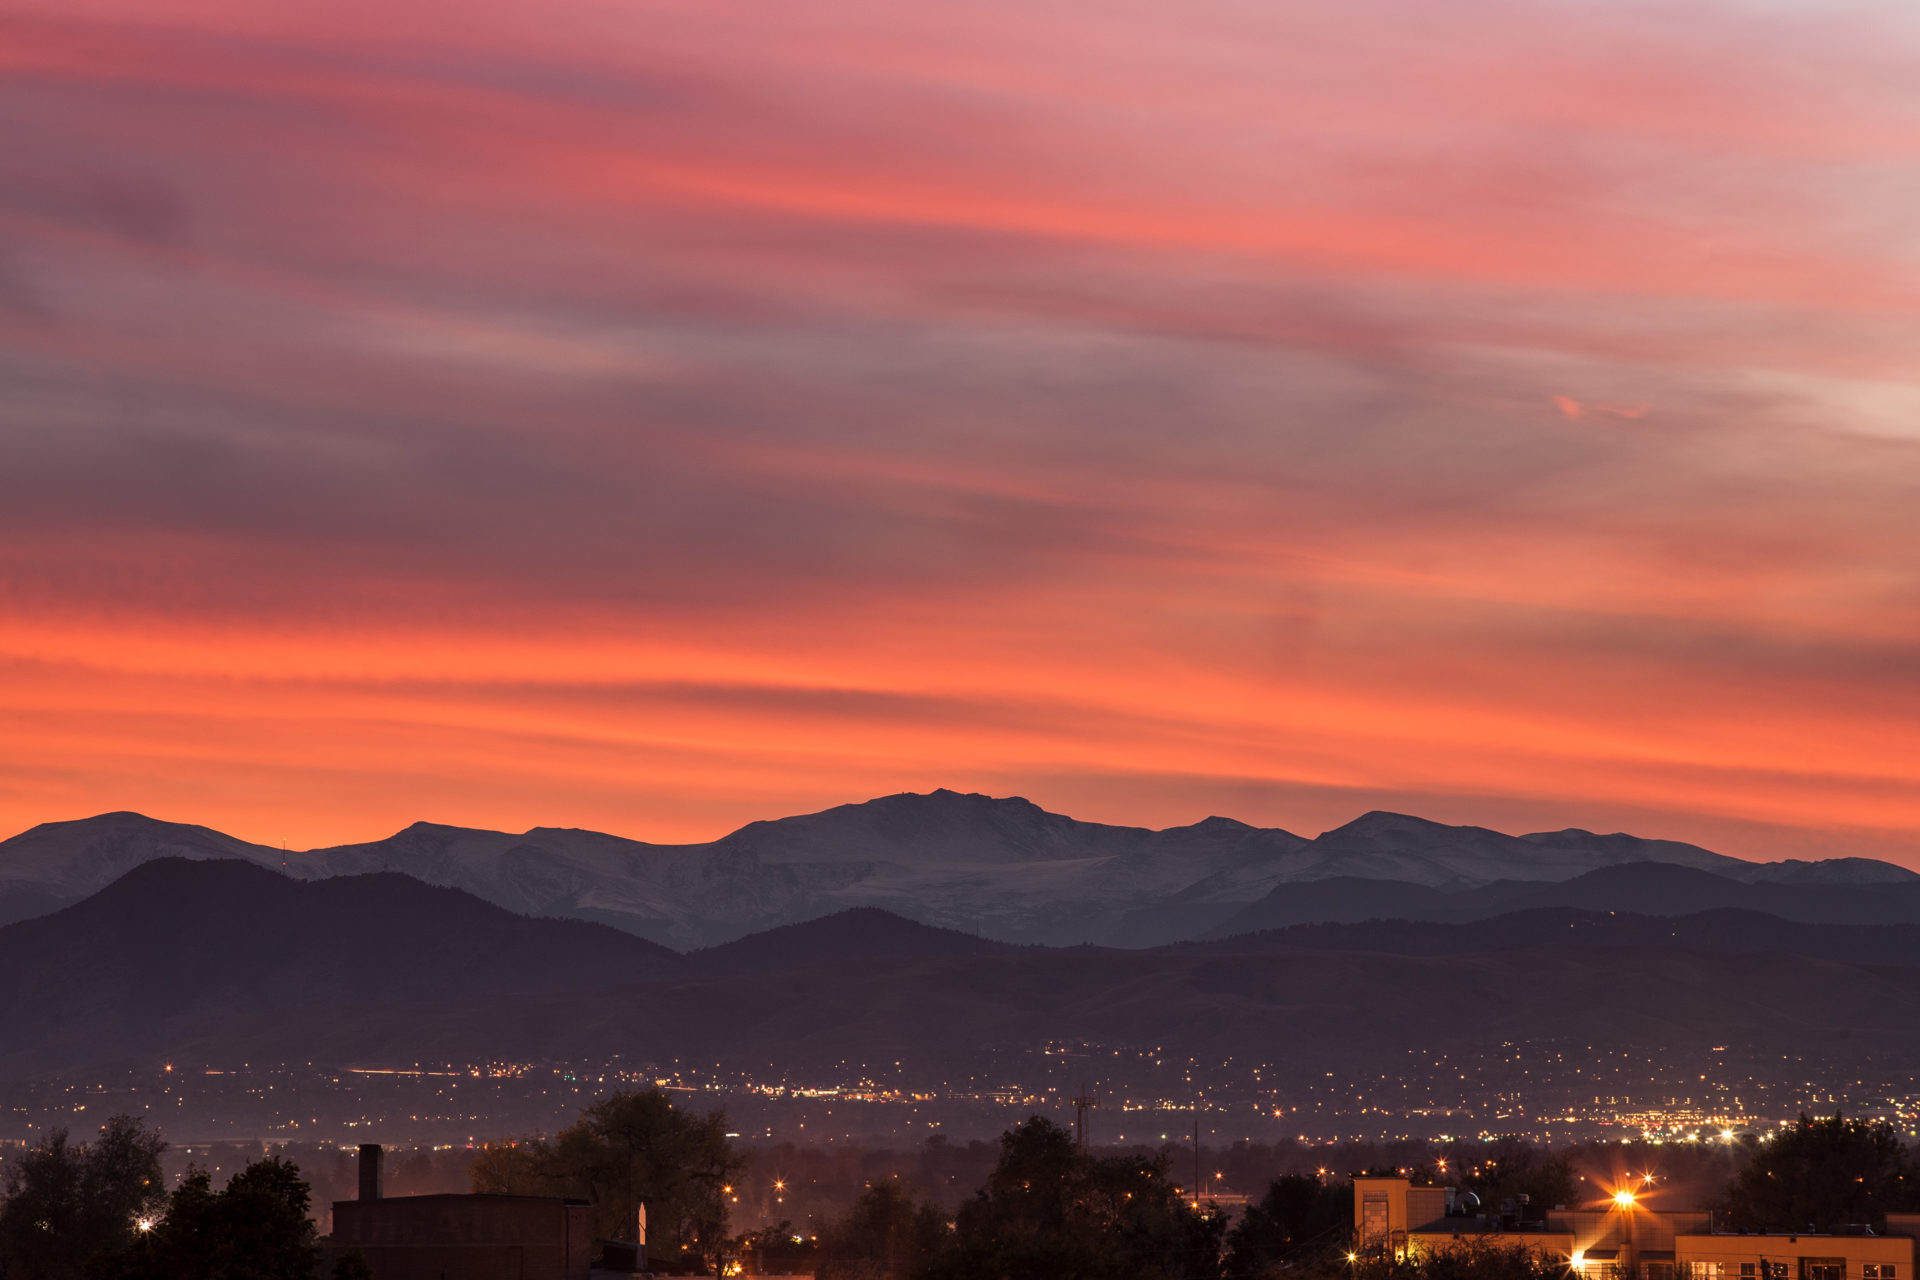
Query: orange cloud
(588, 417)
(1575, 409)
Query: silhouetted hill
(1337, 899)
(862, 936)
(1646, 888)
(224, 962)
(218, 957)
(1726, 931)
(1000, 867)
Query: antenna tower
(1082, 1104)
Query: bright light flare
(1624, 1199)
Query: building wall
(1645, 1230)
(1379, 1212)
(1704, 1253)
(1424, 1204)
(467, 1237)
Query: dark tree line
(1823, 1174)
(1048, 1211)
(99, 1211)
(68, 1202)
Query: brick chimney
(371, 1157)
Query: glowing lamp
(1624, 1199)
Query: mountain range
(1001, 868)
(221, 962)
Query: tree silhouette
(885, 1236)
(257, 1229)
(1051, 1212)
(626, 1150)
(1821, 1174)
(68, 1203)
(1299, 1218)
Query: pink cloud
(921, 394)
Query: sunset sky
(657, 416)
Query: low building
(462, 1237)
(1621, 1239)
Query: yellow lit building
(1620, 1239)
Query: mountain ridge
(219, 961)
(1001, 867)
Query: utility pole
(1196, 1156)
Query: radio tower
(1081, 1105)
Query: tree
(1488, 1260)
(778, 1250)
(885, 1236)
(68, 1203)
(1299, 1218)
(1051, 1212)
(257, 1229)
(626, 1150)
(1821, 1174)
